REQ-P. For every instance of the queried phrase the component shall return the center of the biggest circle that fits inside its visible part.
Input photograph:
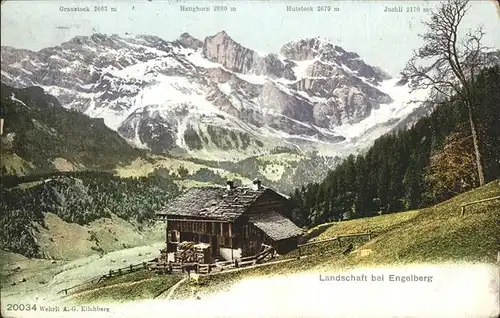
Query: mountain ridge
(41, 136)
(213, 99)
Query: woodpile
(190, 252)
(193, 257)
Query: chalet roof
(275, 225)
(213, 203)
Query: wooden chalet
(232, 222)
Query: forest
(429, 163)
(76, 197)
(310, 168)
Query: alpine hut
(233, 221)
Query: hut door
(174, 236)
(214, 246)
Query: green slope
(437, 234)
(41, 136)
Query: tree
(183, 172)
(449, 64)
(451, 169)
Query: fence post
(110, 273)
(463, 210)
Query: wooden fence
(205, 269)
(125, 270)
(336, 238)
(463, 206)
(267, 252)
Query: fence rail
(205, 269)
(200, 268)
(463, 206)
(125, 270)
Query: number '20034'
(21, 307)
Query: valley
(435, 235)
(130, 160)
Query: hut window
(209, 227)
(225, 228)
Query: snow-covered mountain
(217, 99)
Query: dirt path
(169, 292)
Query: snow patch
(196, 58)
(404, 103)
(253, 78)
(14, 99)
(225, 88)
(4, 73)
(302, 69)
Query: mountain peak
(188, 41)
(222, 35)
(221, 48)
(99, 37)
(302, 49)
(309, 47)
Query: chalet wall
(251, 238)
(226, 253)
(202, 227)
(240, 235)
(270, 201)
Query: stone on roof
(215, 203)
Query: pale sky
(384, 39)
